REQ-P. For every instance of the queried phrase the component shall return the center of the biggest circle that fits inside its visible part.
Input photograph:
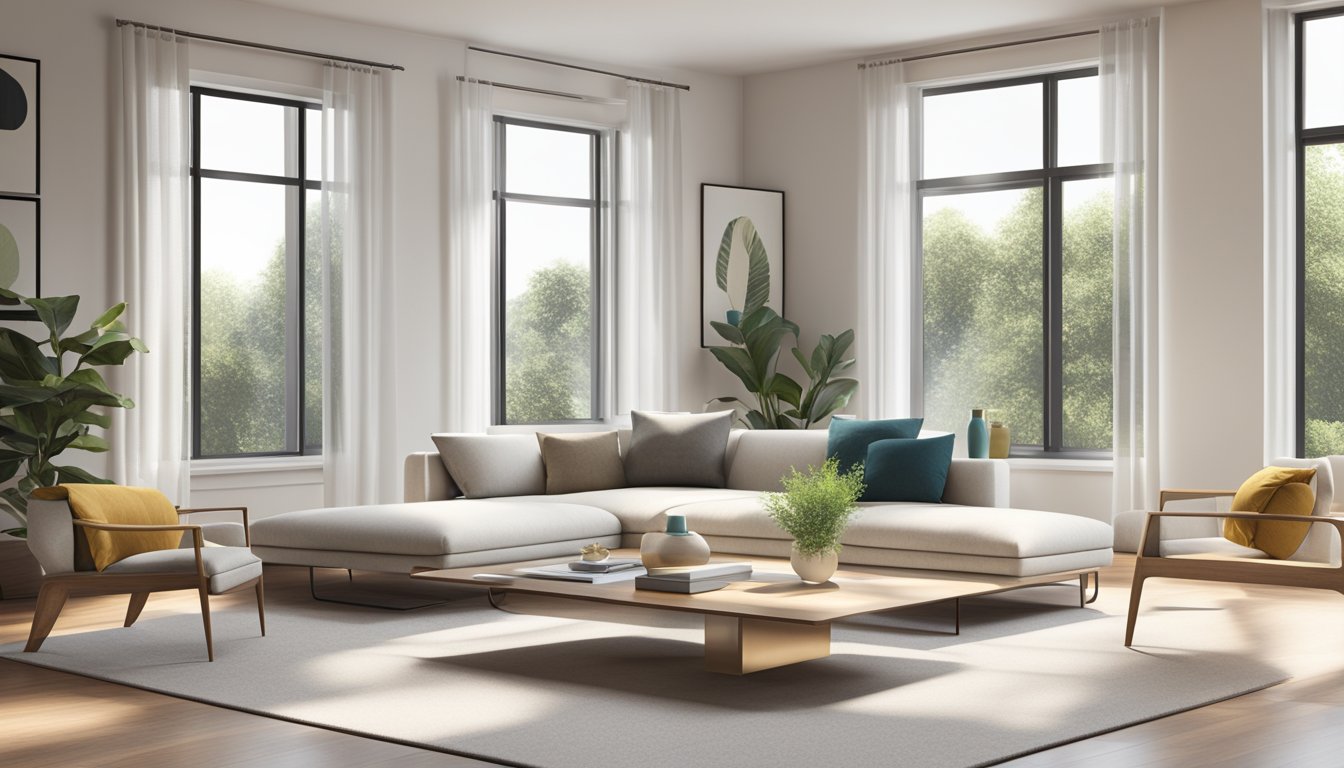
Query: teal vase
(977, 435)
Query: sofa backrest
(756, 461)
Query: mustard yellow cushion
(1256, 494)
(1279, 539)
(122, 505)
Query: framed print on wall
(19, 127)
(20, 251)
(741, 255)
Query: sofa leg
(391, 603)
(50, 600)
(137, 605)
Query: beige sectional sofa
(974, 529)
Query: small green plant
(815, 507)
(49, 403)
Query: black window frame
(1302, 138)
(295, 428)
(502, 197)
(1050, 178)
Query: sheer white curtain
(150, 443)
(359, 395)
(1129, 91)
(1280, 248)
(647, 333)
(468, 371)
(884, 331)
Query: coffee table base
(739, 646)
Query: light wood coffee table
(774, 619)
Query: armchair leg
(1135, 593)
(137, 605)
(50, 601)
(261, 606)
(205, 618)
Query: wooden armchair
(1315, 565)
(57, 541)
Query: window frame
(1302, 139)
(1050, 178)
(597, 226)
(295, 351)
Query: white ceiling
(720, 36)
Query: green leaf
(9, 298)
(832, 396)
(55, 312)
(758, 268)
(88, 442)
(114, 352)
(730, 333)
(77, 475)
(21, 359)
(802, 361)
(757, 420)
(739, 364)
(786, 389)
(94, 418)
(725, 254)
(108, 317)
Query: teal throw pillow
(848, 439)
(908, 470)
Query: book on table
(563, 572)
(679, 586)
(712, 571)
(610, 565)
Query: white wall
(802, 136)
(74, 42)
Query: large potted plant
(52, 395)
(780, 401)
(815, 509)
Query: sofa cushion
(907, 470)
(488, 466)
(1010, 533)
(226, 567)
(581, 461)
(848, 439)
(641, 510)
(760, 458)
(678, 449)
(434, 527)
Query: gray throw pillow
(484, 466)
(581, 461)
(677, 449)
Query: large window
(1320, 234)
(548, 180)
(257, 383)
(1016, 260)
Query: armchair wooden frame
(1286, 573)
(57, 588)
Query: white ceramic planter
(814, 569)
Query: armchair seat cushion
(226, 567)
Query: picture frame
(20, 251)
(20, 125)
(721, 206)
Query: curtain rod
(990, 47)
(584, 69)
(543, 91)
(262, 46)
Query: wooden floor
(58, 719)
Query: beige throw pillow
(581, 461)
(485, 466)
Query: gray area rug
(539, 686)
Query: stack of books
(694, 579)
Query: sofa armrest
(426, 479)
(977, 483)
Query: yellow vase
(1000, 440)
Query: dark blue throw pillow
(848, 439)
(908, 470)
